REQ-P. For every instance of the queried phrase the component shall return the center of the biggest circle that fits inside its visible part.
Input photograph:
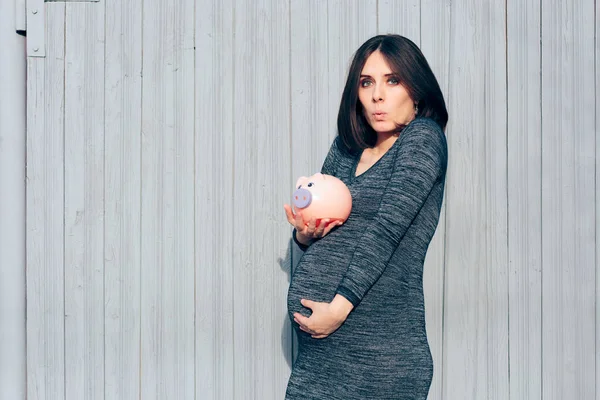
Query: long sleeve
(329, 165)
(421, 161)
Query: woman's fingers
(289, 214)
(330, 226)
(299, 222)
(321, 228)
(295, 220)
(311, 229)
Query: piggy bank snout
(302, 198)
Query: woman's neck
(384, 142)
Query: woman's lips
(379, 115)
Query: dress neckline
(353, 175)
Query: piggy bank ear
(300, 181)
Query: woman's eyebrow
(369, 76)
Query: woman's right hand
(307, 233)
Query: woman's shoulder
(425, 125)
(423, 129)
(424, 137)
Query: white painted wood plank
(314, 107)
(524, 201)
(435, 28)
(167, 277)
(350, 23)
(597, 116)
(476, 308)
(568, 205)
(496, 203)
(216, 231)
(84, 201)
(261, 187)
(122, 198)
(45, 223)
(400, 17)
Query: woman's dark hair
(408, 63)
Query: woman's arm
(420, 163)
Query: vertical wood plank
(314, 107)
(216, 229)
(435, 28)
(261, 186)
(524, 187)
(496, 202)
(84, 201)
(476, 307)
(597, 120)
(45, 223)
(568, 200)
(400, 17)
(496, 187)
(122, 198)
(167, 292)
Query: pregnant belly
(317, 275)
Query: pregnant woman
(356, 295)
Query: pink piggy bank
(322, 196)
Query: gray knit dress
(375, 260)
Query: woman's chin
(384, 127)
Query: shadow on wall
(288, 335)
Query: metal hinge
(30, 21)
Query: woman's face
(386, 103)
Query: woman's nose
(377, 93)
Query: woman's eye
(310, 184)
(365, 83)
(393, 81)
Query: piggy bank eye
(299, 186)
(310, 184)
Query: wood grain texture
(122, 285)
(476, 300)
(158, 251)
(597, 116)
(262, 184)
(435, 37)
(496, 202)
(216, 232)
(45, 219)
(524, 201)
(314, 107)
(84, 201)
(400, 17)
(167, 293)
(568, 205)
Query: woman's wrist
(341, 306)
(302, 241)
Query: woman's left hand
(326, 318)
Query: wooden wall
(165, 136)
